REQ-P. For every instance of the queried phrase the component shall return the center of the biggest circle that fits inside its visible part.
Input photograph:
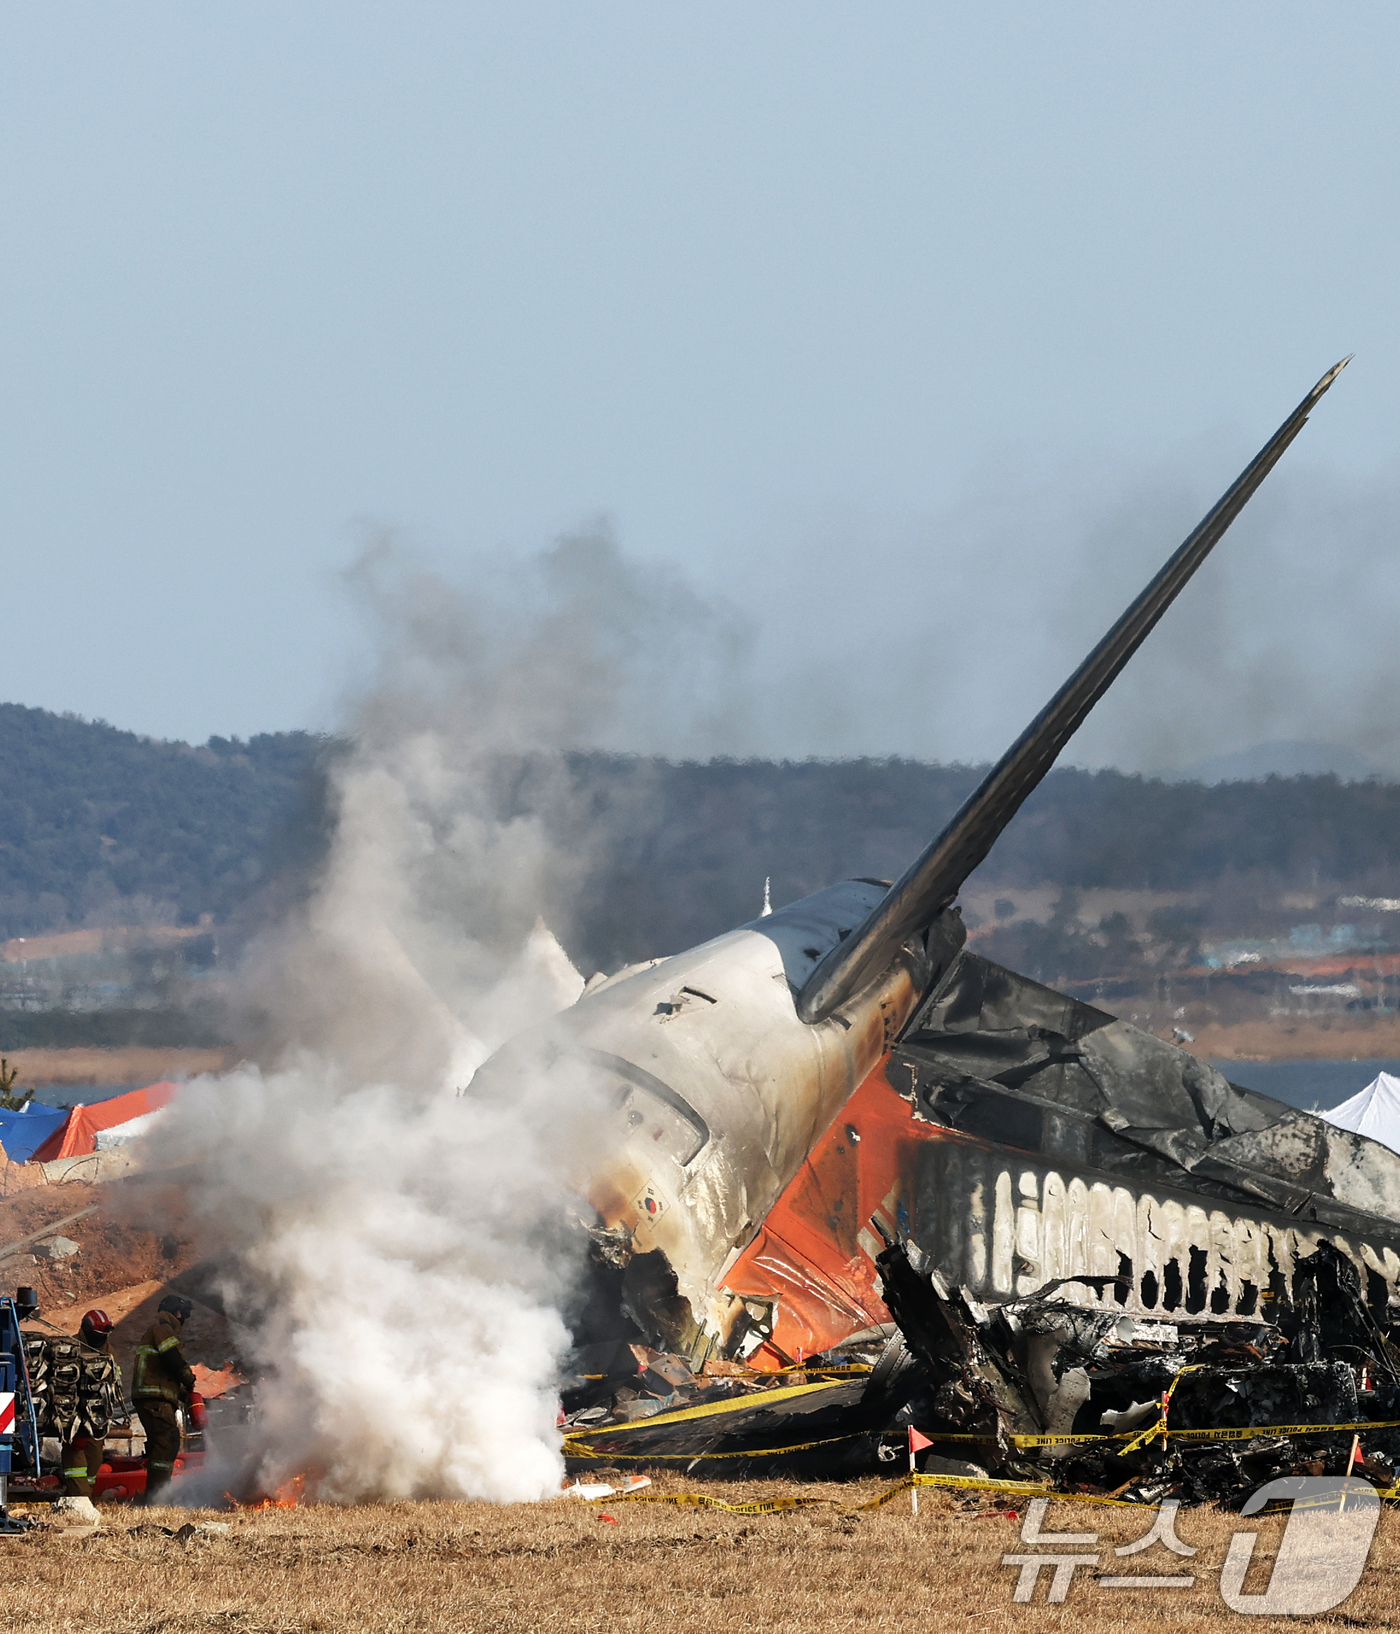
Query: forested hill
(100, 826)
(687, 847)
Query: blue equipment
(19, 1429)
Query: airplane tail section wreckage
(861, 1178)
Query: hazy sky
(903, 327)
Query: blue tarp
(22, 1133)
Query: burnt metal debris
(859, 1180)
(1201, 1409)
(1244, 1285)
(1035, 1389)
(1229, 1343)
(995, 1054)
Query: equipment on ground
(19, 1432)
(76, 1390)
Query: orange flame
(287, 1496)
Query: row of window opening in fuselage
(1193, 1296)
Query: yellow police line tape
(1159, 1429)
(731, 1404)
(847, 1368)
(1010, 1489)
(1133, 1439)
(1248, 1431)
(1242, 1433)
(835, 1371)
(1245, 1433)
(570, 1451)
(769, 1506)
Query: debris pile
(1201, 1409)
(1038, 1389)
(628, 1404)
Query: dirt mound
(136, 1241)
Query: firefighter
(162, 1380)
(82, 1456)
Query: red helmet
(98, 1322)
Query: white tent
(1374, 1112)
(118, 1135)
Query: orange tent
(79, 1135)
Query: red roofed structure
(78, 1135)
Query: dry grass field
(651, 1569)
(1352, 1036)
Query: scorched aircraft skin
(841, 1072)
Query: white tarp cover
(119, 1134)
(1374, 1112)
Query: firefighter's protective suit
(162, 1379)
(82, 1458)
(80, 1387)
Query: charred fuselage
(842, 1073)
(1014, 1135)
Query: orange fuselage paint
(814, 1255)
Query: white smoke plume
(940, 637)
(397, 1263)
